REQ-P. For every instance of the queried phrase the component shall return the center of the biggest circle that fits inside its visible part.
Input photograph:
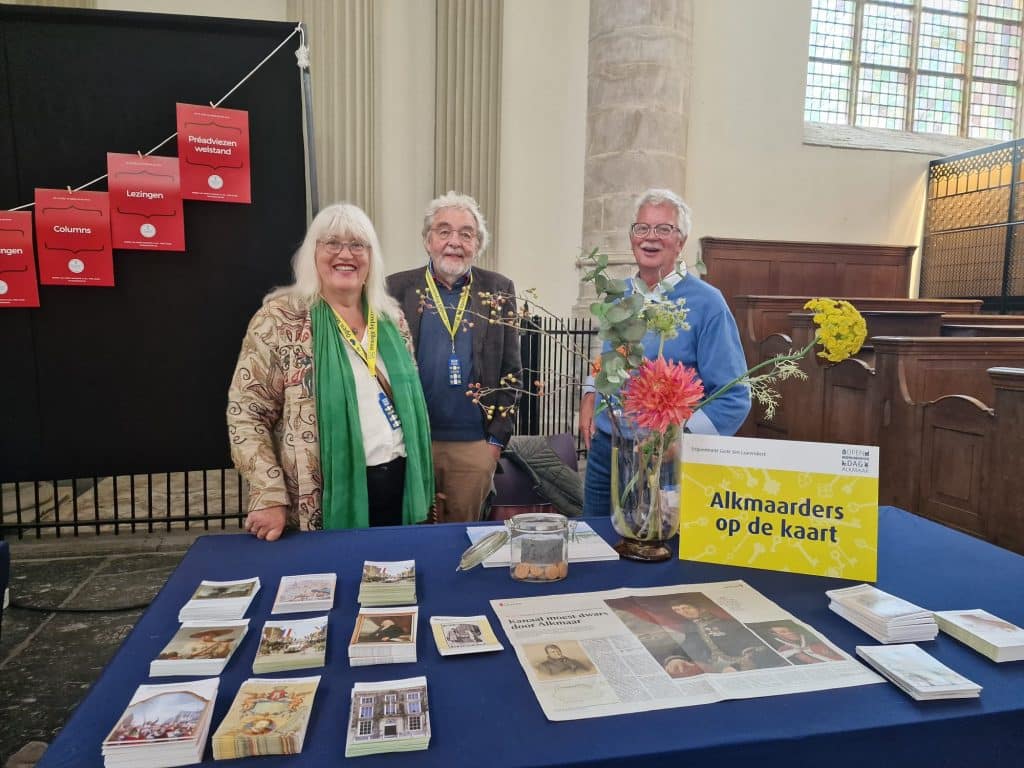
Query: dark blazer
(495, 346)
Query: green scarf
(343, 462)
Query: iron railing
(556, 354)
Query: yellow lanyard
(452, 326)
(367, 355)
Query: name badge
(454, 372)
(389, 410)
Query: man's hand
(495, 451)
(267, 523)
(587, 417)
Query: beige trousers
(463, 475)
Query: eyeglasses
(661, 230)
(467, 236)
(335, 247)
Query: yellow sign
(780, 505)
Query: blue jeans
(597, 498)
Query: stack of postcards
(198, 648)
(383, 636)
(291, 644)
(302, 594)
(389, 716)
(163, 726)
(987, 634)
(886, 618)
(267, 717)
(388, 583)
(918, 673)
(220, 600)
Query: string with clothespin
(302, 57)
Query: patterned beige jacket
(272, 423)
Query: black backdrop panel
(133, 379)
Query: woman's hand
(267, 523)
(587, 417)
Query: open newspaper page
(593, 654)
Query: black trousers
(385, 486)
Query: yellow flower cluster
(841, 328)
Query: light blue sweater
(712, 346)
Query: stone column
(638, 104)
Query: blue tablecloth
(483, 712)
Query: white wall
(543, 129)
(748, 173)
(404, 62)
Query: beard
(451, 268)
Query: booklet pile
(389, 716)
(383, 636)
(306, 593)
(220, 600)
(291, 644)
(918, 673)
(198, 648)
(886, 618)
(164, 725)
(267, 717)
(987, 634)
(388, 583)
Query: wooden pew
(758, 317)
(912, 372)
(827, 392)
(970, 467)
(972, 330)
(1004, 486)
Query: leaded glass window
(931, 66)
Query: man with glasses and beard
(464, 330)
(711, 345)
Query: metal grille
(556, 355)
(213, 498)
(975, 200)
(556, 360)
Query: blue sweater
(712, 346)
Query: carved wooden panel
(771, 267)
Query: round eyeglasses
(335, 247)
(467, 236)
(661, 230)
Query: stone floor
(88, 592)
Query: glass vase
(645, 490)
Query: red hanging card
(18, 286)
(213, 147)
(73, 238)
(146, 212)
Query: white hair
(453, 199)
(662, 196)
(344, 221)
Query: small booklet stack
(886, 618)
(987, 634)
(267, 717)
(199, 649)
(215, 601)
(456, 635)
(383, 636)
(163, 726)
(386, 583)
(291, 644)
(918, 673)
(389, 716)
(306, 593)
